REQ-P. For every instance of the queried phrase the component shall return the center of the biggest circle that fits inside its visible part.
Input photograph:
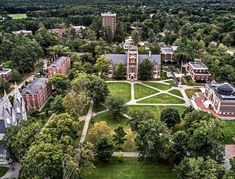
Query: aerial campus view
(117, 89)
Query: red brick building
(61, 65)
(5, 73)
(198, 71)
(58, 32)
(36, 93)
(109, 20)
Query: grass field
(142, 91)
(191, 92)
(158, 85)
(3, 170)
(170, 81)
(17, 16)
(111, 122)
(120, 89)
(130, 168)
(229, 131)
(176, 92)
(162, 99)
(156, 109)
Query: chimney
(150, 54)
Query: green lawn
(111, 122)
(17, 16)
(158, 85)
(229, 131)
(130, 168)
(142, 91)
(163, 99)
(176, 92)
(191, 92)
(120, 89)
(170, 81)
(156, 109)
(3, 170)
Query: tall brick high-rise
(109, 20)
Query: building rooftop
(4, 71)
(198, 65)
(108, 14)
(168, 49)
(224, 91)
(58, 62)
(34, 86)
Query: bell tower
(132, 63)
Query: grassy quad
(17, 16)
(191, 92)
(121, 89)
(170, 82)
(163, 99)
(159, 86)
(229, 131)
(142, 91)
(3, 170)
(176, 92)
(130, 168)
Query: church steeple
(19, 105)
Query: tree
(137, 116)
(187, 110)
(119, 135)
(102, 65)
(104, 149)
(136, 36)
(55, 105)
(76, 104)
(60, 83)
(16, 76)
(94, 87)
(146, 70)
(120, 71)
(152, 140)
(116, 106)
(170, 116)
(98, 131)
(199, 168)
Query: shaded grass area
(142, 91)
(229, 131)
(120, 89)
(158, 85)
(3, 170)
(191, 92)
(156, 109)
(163, 99)
(17, 16)
(170, 81)
(130, 168)
(176, 92)
(111, 122)
(190, 82)
(98, 108)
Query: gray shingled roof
(33, 87)
(58, 62)
(2, 126)
(115, 58)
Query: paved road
(12, 173)
(87, 121)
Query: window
(132, 70)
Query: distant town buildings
(36, 93)
(131, 60)
(218, 99)
(5, 73)
(167, 53)
(109, 20)
(61, 65)
(58, 32)
(198, 71)
(24, 32)
(78, 28)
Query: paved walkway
(87, 121)
(12, 173)
(126, 154)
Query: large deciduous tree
(170, 116)
(102, 65)
(120, 71)
(104, 149)
(146, 70)
(60, 83)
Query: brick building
(36, 93)
(109, 20)
(131, 60)
(5, 73)
(167, 53)
(61, 65)
(58, 32)
(198, 71)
